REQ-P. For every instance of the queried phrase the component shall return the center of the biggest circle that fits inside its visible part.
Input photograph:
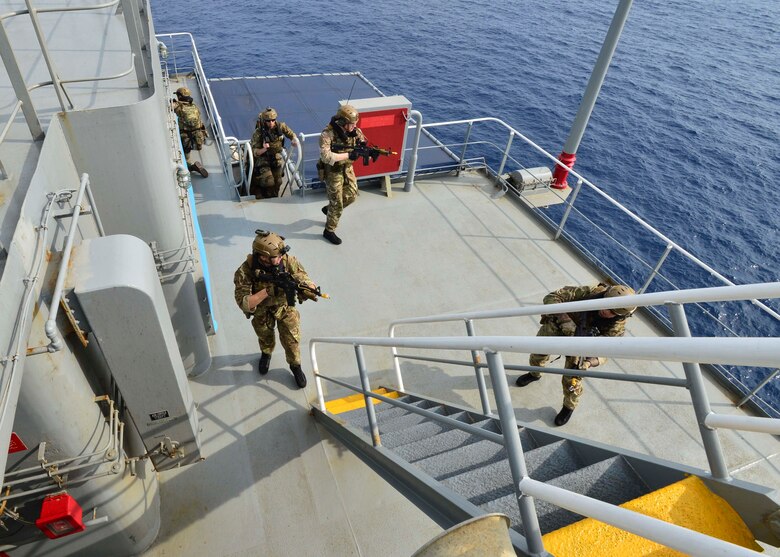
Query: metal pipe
(657, 267)
(763, 352)
(317, 380)
(17, 82)
(743, 423)
(693, 295)
(514, 450)
(396, 365)
(3, 133)
(701, 404)
(483, 396)
(466, 142)
(51, 322)
(93, 207)
(413, 158)
(506, 153)
(361, 363)
(569, 207)
(116, 76)
(682, 539)
(760, 386)
(629, 377)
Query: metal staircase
(457, 474)
(456, 463)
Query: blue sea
(686, 131)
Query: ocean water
(686, 131)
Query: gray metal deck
(277, 483)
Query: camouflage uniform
(269, 169)
(191, 128)
(586, 321)
(340, 179)
(273, 310)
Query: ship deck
(274, 482)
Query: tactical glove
(353, 155)
(567, 327)
(589, 362)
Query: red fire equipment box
(383, 121)
(60, 516)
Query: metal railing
(683, 348)
(16, 76)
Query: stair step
(416, 432)
(612, 481)
(359, 417)
(495, 480)
(462, 459)
(450, 439)
(352, 402)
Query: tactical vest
(189, 117)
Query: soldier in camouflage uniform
(267, 144)
(605, 322)
(191, 128)
(267, 304)
(339, 175)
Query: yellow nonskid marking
(687, 503)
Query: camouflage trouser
(289, 321)
(342, 190)
(267, 178)
(192, 140)
(572, 384)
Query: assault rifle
(584, 331)
(363, 150)
(294, 290)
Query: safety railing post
(569, 207)
(514, 449)
(701, 403)
(55, 79)
(506, 153)
(483, 396)
(413, 158)
(465, 145)
(361, 363)
(17, 82)
(657, 268)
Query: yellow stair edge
(353, 402)
(687, 503)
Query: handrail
(682, 251)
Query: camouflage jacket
(189, 116)
(330, 137)
(275, 138)
(246, 283)
(588, 321)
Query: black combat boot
(300, 378)
(563, 416)
(265, 362)
(526, 379)
(200, 169)
(325, 210)
(331, 237)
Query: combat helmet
(620, 290)
(269, 244)
(183, 92)
(267, 114)
(347, 113)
